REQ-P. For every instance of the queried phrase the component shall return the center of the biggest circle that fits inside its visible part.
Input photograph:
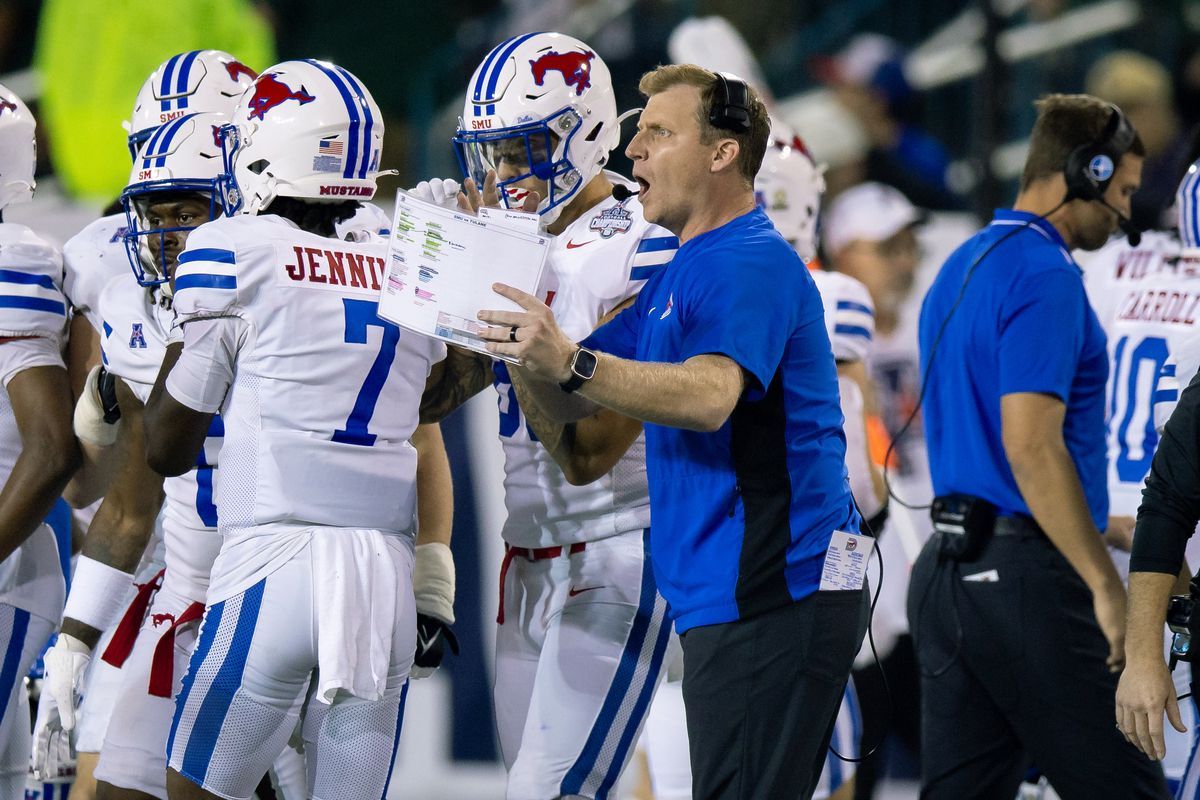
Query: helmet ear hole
(594, 132)
(257, 167)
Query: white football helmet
(788, 187)
(18, 150)
(187, 83)
(306, 129)
(181, 157)
(542, 101)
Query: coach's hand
(1143, 695)
(531, 335)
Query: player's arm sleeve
(853, 322)
(204, 372)
(18, 355)
(31, 302)
(744, 311)
(1041, 335)
(208, 307)
(206, 281)
(1170, 505)
(653, 252)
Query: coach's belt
(529, 554)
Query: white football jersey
(92, 258)
(133, 343)
(33, 309)
(325, 395)
(1148, 301)
(849, 314)
(599, 261)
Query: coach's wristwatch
(583, 367)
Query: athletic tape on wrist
(99, 593)
(433, 581)
(88, 420)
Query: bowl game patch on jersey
(611, 221)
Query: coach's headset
(1088, 171)
(1090, 168)
(730, 111)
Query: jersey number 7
(360, 315)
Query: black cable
(887, 689)
(937, 340)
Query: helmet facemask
(534, 150)
(145, 237)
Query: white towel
(356, 576)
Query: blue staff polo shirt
(742, 516)
(1023, 325)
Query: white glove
(53, 757)
(65, 664)
(89, 423)
(440, 191)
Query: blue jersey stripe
(211, 717)
(1168, 370)
(204, 280)
(214, 254)
(365, 159)
(107, 329)
(12, 656)
(181, 84)
(352, 110)
(850, 305)
(16, 276)
(644, 273)
(656, 244)
(32, 304)
(852, 330)
(165, 87)
(216, 428)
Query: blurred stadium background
(931, 96)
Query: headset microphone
(1127, 225)
(621, 192)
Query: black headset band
(730, 108)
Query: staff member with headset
(724, 355)
(1016, 609)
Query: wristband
(99, 594)
(433, 581)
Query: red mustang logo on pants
(159, 619)
(576, 68)
(269, 92)
(6, 105)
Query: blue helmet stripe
(181, 83)
(365, 160)
(352, 108)
(498, 67)
(165, 87)
(148, 149)
(483, 71)
(164, 144)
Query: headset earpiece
(730, 109)
(1090, 167)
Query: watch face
(585, 364)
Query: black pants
(761, 696)
(1013, 674)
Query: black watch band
(583, 367)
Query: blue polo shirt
(1023, 325)
(741, 516)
